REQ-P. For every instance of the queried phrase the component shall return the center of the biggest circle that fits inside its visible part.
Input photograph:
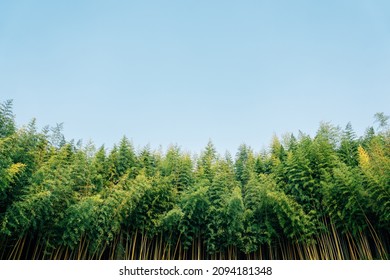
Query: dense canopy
(321, 197)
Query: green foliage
(99, 169)
(121, 161)
(348, 151)
(382, 120)
(244, 164)
(326, 196)
(225, 200)
(195, 205)
(375, 165)
(205, 166)
(7, 122)
(270, 214)
(345, 199)
(177, 168)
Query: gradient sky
(184, 72)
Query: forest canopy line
(321, 197)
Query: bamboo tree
(375, 166)
(348, 150)
(7, 119)
(321, 197)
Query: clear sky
(184, 72)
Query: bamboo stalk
(133, 247)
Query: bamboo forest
(325, 196)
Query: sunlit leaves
(326, 196)
(375, 165)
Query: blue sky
(184, 72)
